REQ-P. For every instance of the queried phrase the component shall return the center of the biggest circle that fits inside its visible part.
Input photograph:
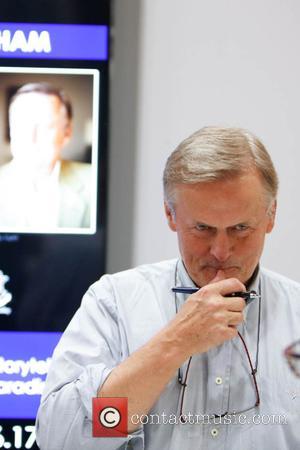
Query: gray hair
(215, 153)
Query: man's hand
(208, 318)
(205, 320)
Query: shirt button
(214, 432)
(219, 380)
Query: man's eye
(201, 227)
(241, 227)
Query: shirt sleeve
(89, 349)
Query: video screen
(53, 189)
(48, 150)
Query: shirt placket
(207, 393)
(217, 398)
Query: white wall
(180, 65)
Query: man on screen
(39, 190)
(202, 370)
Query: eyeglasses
(292, 354)
(253, 371)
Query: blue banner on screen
(24, 363)
(53, 41)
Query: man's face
(221, 226)
(39, 129)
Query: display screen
(53, 166)
(34, 200)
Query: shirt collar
(56, 171)
(183, 278)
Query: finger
(220, 275)
(227, 286)
(234, 304)
(235, 318)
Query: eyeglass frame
(290, 354)
(253, 370)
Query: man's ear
(68, 131)
(272, 215)
(170, 214)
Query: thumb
(220, 275)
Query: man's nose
(221, 246)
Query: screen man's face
(221, 227)
(39, 129)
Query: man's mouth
(219, 267)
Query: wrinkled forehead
(243, 189)
(36, 105)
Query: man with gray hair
(41, 191)
(194, 344)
